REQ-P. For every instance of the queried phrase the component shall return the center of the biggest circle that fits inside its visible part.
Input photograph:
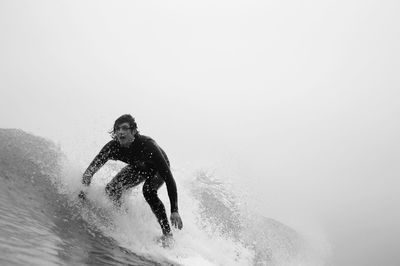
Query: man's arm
(97, 163)
(162, 167)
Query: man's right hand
(86, 180)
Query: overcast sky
(298, 100)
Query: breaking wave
(43, 222)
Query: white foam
(199, 243)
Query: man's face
(125, 134)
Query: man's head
(125, 129)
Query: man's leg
(125, 179)
(150, 188)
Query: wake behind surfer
(147, 163)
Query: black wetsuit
(146, 162)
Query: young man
(147, 163)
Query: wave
(273, 243)
(39, 225)
(42, 222)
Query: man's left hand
(86, 179)
(176, 220)
(82, 195)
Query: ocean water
(42, 222)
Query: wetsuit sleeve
(104, 155)
(162, 167)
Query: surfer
(147, 163)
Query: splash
(219, 227)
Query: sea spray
(219, 227)
(41, 222)
(136, 227)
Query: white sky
(299, 98)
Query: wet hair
(126, 118)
